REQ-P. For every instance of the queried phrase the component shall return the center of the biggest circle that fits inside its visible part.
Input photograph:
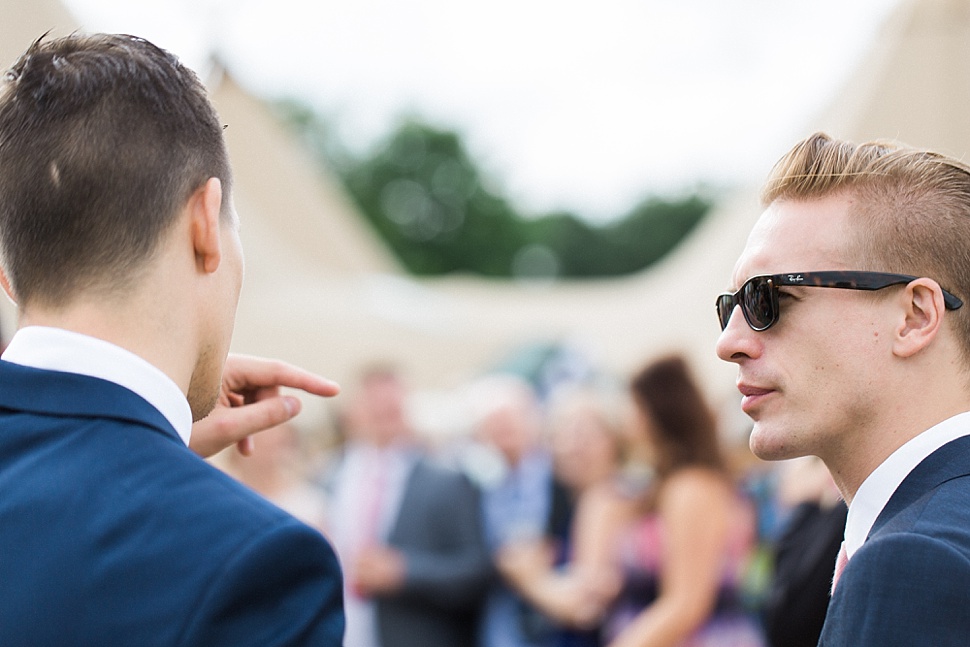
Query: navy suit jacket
(439, 532)
(909, 583)
(112, 532)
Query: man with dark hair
(847, 322)
(119, 243)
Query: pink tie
(840, 563)
(369, 522)
(373, 506)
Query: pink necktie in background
(840, 563)
(369, 522)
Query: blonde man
(847, 324)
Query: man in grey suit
(407, 530)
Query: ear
(5, 282)
(205, 206)
(924, 310)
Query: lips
(752, 396)
(748, 390)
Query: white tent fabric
(914, 86)
(321, 291)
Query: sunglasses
(758, 297)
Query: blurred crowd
(586, 513)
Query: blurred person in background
(794, 608)
(522, 501)
(665, 558)
(407, 530)
(276, 469)
(571, 579)
(683, 557)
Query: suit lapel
(950, 461)
(413, 497)
(39, 391)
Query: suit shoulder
(280, 586)
(941, 513)
(901, 588)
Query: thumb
(226, 426)
(261, 415)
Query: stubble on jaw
(205, 384)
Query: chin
(771, 445)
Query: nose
(737, 341)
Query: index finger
(243, 372)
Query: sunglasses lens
(757, 300)
(758, 303)
(725, 306)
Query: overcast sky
(586, 106)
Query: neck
(136, 325)
(851, 465)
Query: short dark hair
(684, 428)
(103, 138)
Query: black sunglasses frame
(764, 288)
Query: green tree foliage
(426, 197)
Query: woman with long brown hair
(682, 558)
(676, 547)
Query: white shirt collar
(878, 488)
(54, 349)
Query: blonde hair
(910, 208)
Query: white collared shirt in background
(350, 529)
